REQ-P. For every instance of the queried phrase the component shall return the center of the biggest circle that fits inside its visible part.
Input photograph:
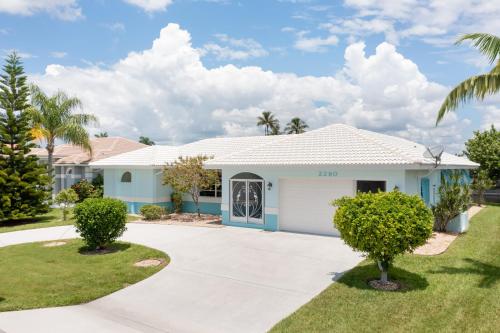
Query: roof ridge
(361, 133)
(282, 138)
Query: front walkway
(219, 280)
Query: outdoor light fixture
(269, 186)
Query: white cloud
(490, 116)
(58, 54)
(115, 26)
(67, 10)
(313, 44)
(24, 55)
(150, 6)
(435, 22)
(228, 48)
(167, 93)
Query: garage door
(305, 204)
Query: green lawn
(51, 219)
(34, 276)
(458, 291)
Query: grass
(456, 291)
(34, 276)
(51, 219)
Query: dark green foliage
(383, 224)
(98, 183)
(84, 190)
(176, 198)
(24, 184)
(100, 221)
(147, 141)
(454, 198)
(484, 148)
(152, 212)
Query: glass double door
(247, 200)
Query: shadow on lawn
(359, 276)
(113, 248)
(490, 273)
(30, 220)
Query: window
(69, 171)
(370, 186)
(214, 190)
(126, 177)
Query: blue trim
(205, 207)
(270, 222)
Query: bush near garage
(383, 225)
(100, 221)
(152, 212)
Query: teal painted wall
(205, 207)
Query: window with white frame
(214, 190)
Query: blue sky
(379, 65)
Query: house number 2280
(327, 173)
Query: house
(285, 182)
(71, 163)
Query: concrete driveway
(219, 280)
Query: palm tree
(101, 135)
(480, 85)
(267, 120)
(147, 141)
(53, 118)
(275, 130)
(296, 126)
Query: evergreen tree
(24, 184)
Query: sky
(182, 70)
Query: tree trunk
(50, 163)
(383, 266)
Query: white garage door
(305, 204)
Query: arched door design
(247, 198)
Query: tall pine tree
(24, 183)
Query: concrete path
(219, 280)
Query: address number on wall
(327, 173)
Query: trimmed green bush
(383, 225)
(152, 212)
(100, 221)
(84, 189)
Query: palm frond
(487, 44)
(76, 135)
(474, 87)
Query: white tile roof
(336, 144)
(160, 155)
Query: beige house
(71, 163)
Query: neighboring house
(284, 182)
(71, 163)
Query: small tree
(188, 175)
(65, 198)
(84, 189)
(481, 184)
(147, 141)
(454, 198)
(484, 148)
(383, 225)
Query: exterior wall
(146, 188)
(393, 177)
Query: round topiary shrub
(383, 225)
(152, 212)
(100, 221)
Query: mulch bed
(191, 219)
(387, 286)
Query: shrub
(383, 225)
(176, 198)
(100, 221)
(65, 198)
(454, 198)
(152, 212)
(84, 189)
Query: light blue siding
(205, 207)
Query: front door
(247, 200)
